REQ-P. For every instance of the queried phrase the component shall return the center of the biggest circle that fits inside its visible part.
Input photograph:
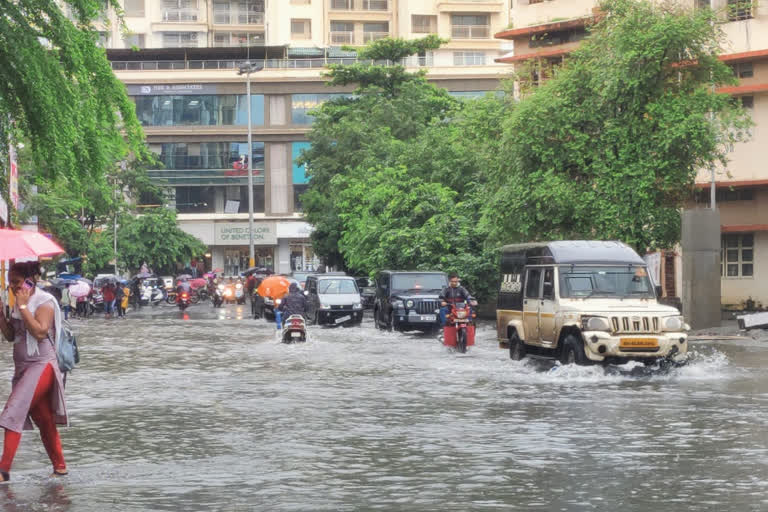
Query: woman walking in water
(37, 392)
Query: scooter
(294, 330)
(96, 303)
(218, 296)
(183, 300)
(459, 330)
(239, 293)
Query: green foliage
(58, 92)
(609, 147)
(396, 49)
(155, 238)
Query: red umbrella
(16, 244)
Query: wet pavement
(207, 411)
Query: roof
(575, 252)
(236, 53)
(544, 27)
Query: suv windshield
(336, 286)
(419, 282)
(625, 281)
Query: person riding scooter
(452, 294)
(295, 303)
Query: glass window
(591, 281)
(299, 171)
(470, 26)
(179, 39)
(423, 24)
(468, 58)
(203, 110)
(737, 255)
(549, 284)
(298, 190)
(532, 283)
(134, 8)
(300, 29)
(302, 104)
(134, 40)
(337, 287)
(210, 155)
(417, 281)
(195, 199)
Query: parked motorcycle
(459, 330)
(294, 330)
(183, 300)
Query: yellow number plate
(630, 343)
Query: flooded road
(206, 411)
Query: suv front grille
(635, 324)
(426, 307)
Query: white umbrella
(79, 289)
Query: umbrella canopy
(86, 281)
(16, 244)
(217, 271)
(79, 289)
(101, 281)
(275, 287)
(198, 283)
(142, 275)
(184, 276)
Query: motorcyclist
(181, 287)
(295, 303)
(452, 294)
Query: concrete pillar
(701, 268)
(283, 256)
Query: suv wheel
(573, 351)
(516, 348)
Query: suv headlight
(409, 304)
(595, 323)
(357, 306)
(325, 306)
(673, 323)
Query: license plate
(635, 343)
(427, 318)
(343, 319)
(295, 335)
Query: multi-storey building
(179, 61)
(543, 32)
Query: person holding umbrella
(37, 392)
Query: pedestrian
(72, 303)
(125, 299)
(66, 300)
(108, 295)
(37, 388)
(119, 300)
(82, 304)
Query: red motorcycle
(182, 300)
(459, 330)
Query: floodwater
(206, 411)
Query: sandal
(60, 472)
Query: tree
(154, 238)
(609, 147)
(58, 92)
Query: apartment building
(543, 32)
(180, 59)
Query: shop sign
(171, 89)
(236, 233)
(293, 229)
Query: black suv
(408, 301)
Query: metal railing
(470, 31)
(180, 15)
(360, 5)
(318, 63)
(374, 36)
(237, 18)
(342, 37)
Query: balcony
(374, 36)
(342, 37)
(489, 6)
(470, 31)
(238, 18)
(180, 15)
(360, 5)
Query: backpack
(67, 354)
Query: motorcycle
(459, 330)
(95, 303)
(294, 330)
(183, 300)
(239, 293)
(152, 295)
(217, 298)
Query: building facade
(179, 60)
(543, 32)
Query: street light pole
(247, 69)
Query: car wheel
(516, 348)
(573, 351)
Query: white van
(333, 299)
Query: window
(374, 31)
(422, 24)
(234, 39)
(103, 40)
(531, 2)
(468, 58)
(739, 10)
(342, 33)
(211, 155)
(179, 10)
(556, 38)
(344, 5)
(301, 29)
(134, 8)
(737, 255)
(337, 287)
(549, 284)
(743, 70)
(470, 26)
(748, 102)
(244, 12)
(532, 283)
(703, 4)
(179, 39)
(725, 194)
(300, 2)
(134, 40)
(202, 110)
(302, 104)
